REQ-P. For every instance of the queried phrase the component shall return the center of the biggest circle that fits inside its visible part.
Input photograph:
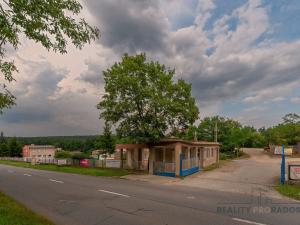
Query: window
(212, 152)
(207, 153)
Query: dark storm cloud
(27, 115)
(32, 99)
(130, 26)
(231, 80)
(93, 74)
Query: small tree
(143, 100)
(106, 141)
(14, 147)
(3, 145)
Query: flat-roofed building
(170, 157)
(39, 152)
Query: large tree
(52, 23)
(143, 100)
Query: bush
(225, 155)
(63, 155)
(231, 154)
(80, 156)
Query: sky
(241, 56)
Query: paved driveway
(255, 175)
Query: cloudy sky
(241, 56)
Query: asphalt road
(71, 199)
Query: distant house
(170, 157)
(39, 152)
(101, 154)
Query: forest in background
(230, 133)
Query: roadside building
(101, 154)
(39, 152)
(170, 157)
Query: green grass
(289, 190)
(13, 213)
(107, 172)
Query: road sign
(294, 172)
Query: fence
(188, 166)
(194, 162)
(19, 159)
(164, 168)
(91, 163)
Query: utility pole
(216, 131)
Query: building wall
(39, 151)
(26, 151)
(210, 156)
(43, 153)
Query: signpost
(294, 172)
(282, 177)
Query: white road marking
(248, 221)
(190, 197)
(10, 171)
(28, 175)
(57, 181)
(114, 193)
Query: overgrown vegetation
(13, 213)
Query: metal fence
(164, 167)
(189, 163)
(194, 162)
(19, 159)
(92, 163)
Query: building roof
(176, 140)
(168, 141)
(131, 146)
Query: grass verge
(13, 213)
(289, 190)
(106, 172)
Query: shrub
(80, 156)
(63, 155)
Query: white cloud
(295, 100)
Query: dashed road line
(248, 221)
(114, 193)
(28, 175)
(57, 181)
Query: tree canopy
(106, 141)
(143, 101)
(287, 132)
(52, 23)
(230, 133)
